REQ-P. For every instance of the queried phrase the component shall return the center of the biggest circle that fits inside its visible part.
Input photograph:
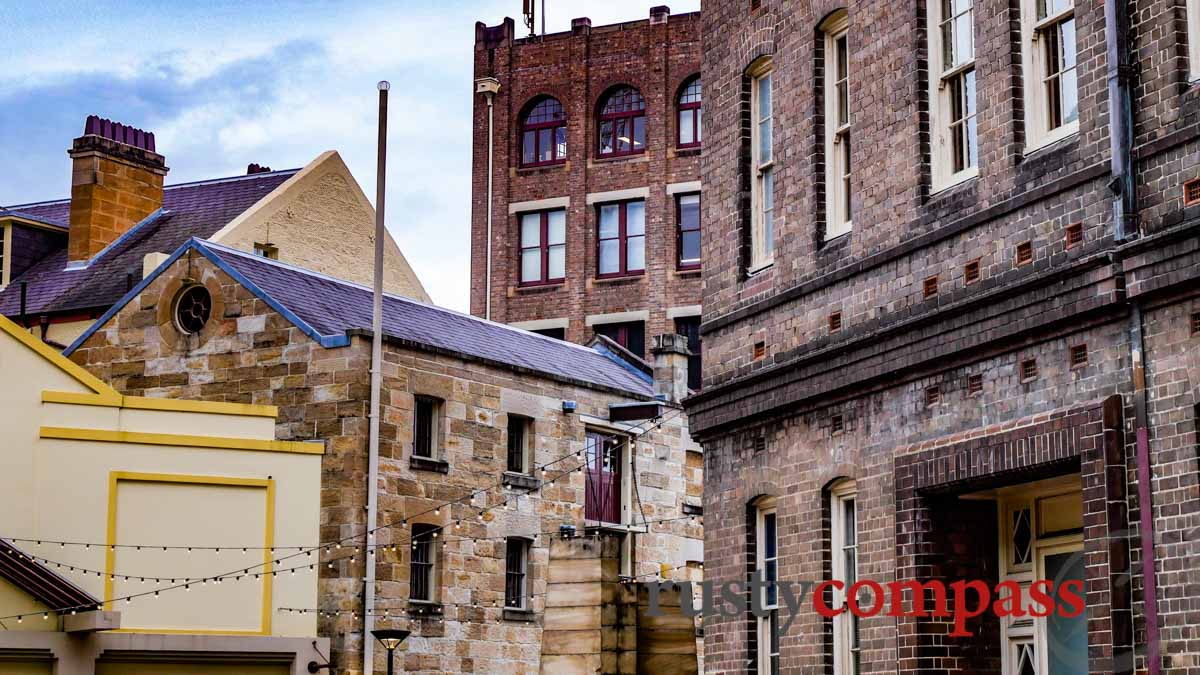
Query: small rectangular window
(762, 194)
(931, 286)
(689, 327)
(629, 334)
(687, 248)
(1024, 253)
(425, 426)
(543, 247)
(1074, 235)
(1191, 189)
(621, 239)
(516, 572)
(422, 566)
(519, 444)
(1029, 370)
(1079, 356)
(974, 384)
(266, 250)
(971, 272)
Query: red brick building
(962, 346)
(593, 138)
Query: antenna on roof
(528, 11)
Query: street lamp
(391, 638)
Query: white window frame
(844, 624)
(6, 230)
(765, 624)
(762, 192)
(942, 80)
(1193, 22)
(838, 219)
(1038, 133)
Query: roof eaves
(34, 578)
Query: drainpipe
(488, 86)
(1120, 77)
(376, 386)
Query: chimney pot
(581, 26)
(659, 14)
(670, 366)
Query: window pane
(639, 133)
(516, 444)
(610, 221)
(685, 127)
(764, 142)
(848, 517)
(531, 265)
(689, 246)
(545, 145)
(635, 254)
(1066, 638)
(606, 137)
(528, 147)
(947, 35)
(557, 227)
(1068, 43)
(635, 218)
(557, 267)
(610, 256)
(764, 96)
(689, 212)
(769, 537)
(560, 142)
(531, 229)
(1070, 96)
(964, 48)
(699, 125)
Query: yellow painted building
(105, 494)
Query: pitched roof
(331, 310)
(48, 588)
(189, 210)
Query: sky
(223, 84)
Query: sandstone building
(951, 325)
(493, 440)
(585, 191)
(64, 262)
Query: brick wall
(249, 353)
(578, 68)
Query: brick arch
(528, 99)
(681, 82)
(758, 40)
(610, 84)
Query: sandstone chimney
(670, 367)
(116, 181)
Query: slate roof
(331, 310)
(189, 210)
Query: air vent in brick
(1196, 322)
(931, 286)
(837, 424)
(760, 443)
(933, 395)
(1079, 356)
(1074, 234)
(971, 272)
(1191, 192)
(1029, 369)
(1024, 253)
(760, 350)
(974, 384)
(835, 322)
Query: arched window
(689, 114)
(544, 133)
(623, 123)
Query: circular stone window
(193, 307)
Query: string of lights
(307, 551)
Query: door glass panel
(1066, 637)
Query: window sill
(954, 181)
(689, 151)
(520, 480)
(632, 157)
(688, 272)
(623, 277)
(519, 615)
(830, 236)
(423, 608)
(1053, 140)
(545, 168)
(761, 269)
(533, 288)
(428, 464)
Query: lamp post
(390, 638)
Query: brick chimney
(116, 181)
(670, 367)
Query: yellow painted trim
(268, 542)
(66, 365)
(180, 440)
(10, 219)
(185, 631)
(166, 404)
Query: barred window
(516, 573)
(422, 566)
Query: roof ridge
(194, 183)
(344, 282)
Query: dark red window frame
(536, 128)
(690, 103)
(633, 109)
(543, 245)
(680, 263)
(623, 238)
(602, 500)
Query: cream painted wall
(15, 601)
(321, 220)
(188, 669)
(60, 490)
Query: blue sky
(223, 84)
